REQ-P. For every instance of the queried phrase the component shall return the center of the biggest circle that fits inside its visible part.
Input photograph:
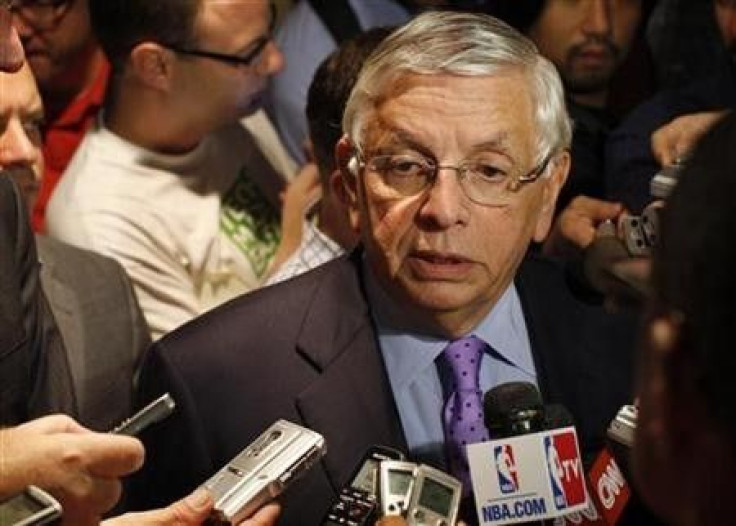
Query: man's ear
(560, 167)
(347, 163)
(153, 65)
(346, 185)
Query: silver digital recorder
(263, 470)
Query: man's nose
(445, 204)
(598, 17)
(273, 61)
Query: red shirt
(62, 137)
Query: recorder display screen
(366, 478)
(436, 497)
(399, 482)
(18, 508)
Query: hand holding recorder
(80, 467)
(192, 510)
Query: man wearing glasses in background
(454, 152)
(170, 183)
(71, 73)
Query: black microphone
(515, 408)
(556, 416)
(512, 409)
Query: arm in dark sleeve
(34, 360)
(630, 163)
(177, 459)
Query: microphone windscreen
(557, 416)
(512, 408)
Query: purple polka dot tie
(463, 413)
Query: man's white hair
(441, 42)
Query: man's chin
(440, 296)
(587, 82)
(252, 105)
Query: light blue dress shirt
(414, 377)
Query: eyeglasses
(248, 59)
(406, 175)
(39, 14)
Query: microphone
(513, 408)
(613, 501)
(531, 469)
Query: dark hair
(695, 267)
(120, 25)
(521, 14)
(329, 91)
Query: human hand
(303, 192)
(300, 196)
(394, 520)
(79, 467)
(677, 138)
(190, 511)
(575, 227)
(391, 520)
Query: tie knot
(463, 356)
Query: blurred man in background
(588, 41)
(71, 72)
(170, 182)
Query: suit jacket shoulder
(584, 355)
(102, 327)
(303, 350)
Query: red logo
(569, 468)
(610, 490)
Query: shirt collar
(407, 354)
(88, 102)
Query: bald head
(21, 115)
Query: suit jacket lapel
(351, 401)
(552, 348)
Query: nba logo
(508, 480)
(565, 469)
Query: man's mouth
(429, 264)
(440, 258)
(595, 52)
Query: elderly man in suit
(454, 152)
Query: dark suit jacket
(101, 323)
(34, 373)
(306, 350)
